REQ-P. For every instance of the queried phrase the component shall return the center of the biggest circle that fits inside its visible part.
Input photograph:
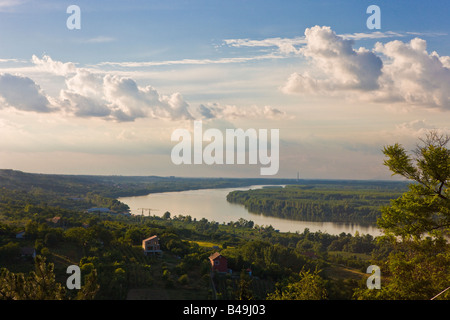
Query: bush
(183, 280)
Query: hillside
(51, 209)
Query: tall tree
(425, 208)
(417, 224)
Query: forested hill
(80, 192)
(345, 201)
(119, 186)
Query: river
(213, 205)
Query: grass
(346, 255)
(338, 272)
(206, 244)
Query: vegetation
(107, 248)
(413, 253)
(417, 225)
(337, 201)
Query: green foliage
(414, 271)
(39, 284)
(9, 251)
(310, 287)
(338, 202)
(183, 279)
(244, 291)
(108, 247)
(425, 208)
(416, 224)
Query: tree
(244, 291)
(40, 284)
(425, 208)
(78, 235)
(416, 224)
(166, 215)
(90, 287)
(9, 251)
(309, 287)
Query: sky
(105, 98)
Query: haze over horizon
(105, 99)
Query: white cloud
(86, 83)
(131, 101)
(93, 94)
(293, 45)
(371, 35)
(83, 106)
(414, 76)
(47, 64)
(230, 112)
(340, 66)
(119, 98)
(407, 74)
(100, 39)
(22, 93)
(285, 45)
(133, 64)
(113, 97)
(90, 93)
(417, 128)
(6, 5)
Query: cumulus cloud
(22, 93)
(340, 67)
(132, 101)
(119, 98)
(229, 112)
(102, 95)
(395, 72)
(47, 64)
(83, 106)
(414, 76)
(94, 94)
(86, 83)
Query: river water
(213, 205)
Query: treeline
(85, 191)
(333, 203)
(117, 186)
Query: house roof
(214, 256)
(152, 237)
(56, 219)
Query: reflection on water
(213, 205)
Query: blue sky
(104, 99)
(144, 29)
